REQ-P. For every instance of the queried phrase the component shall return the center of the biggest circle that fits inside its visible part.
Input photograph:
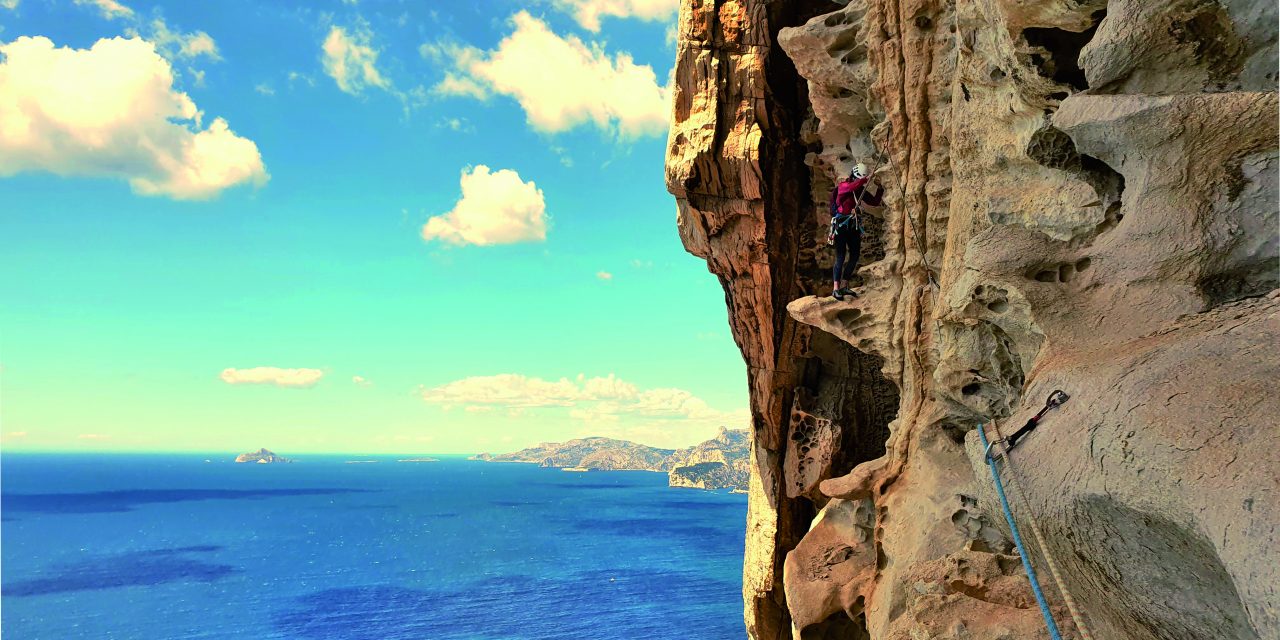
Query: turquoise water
(173, 547)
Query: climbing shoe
(838, 294)
(846, 291)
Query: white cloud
(294, 76)
(560, 82)
(604, 275)
(589, 12)
(110, 8)
(9, 4)
(607, 399)
(93, 436)
(460, 125)
(496, 208)
(272, 375)
(264, 88)
(111, 110)
(361, 381)
(350, 59)
(507, 390)
(182, 45)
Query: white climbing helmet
(859, 171)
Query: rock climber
(847, 200)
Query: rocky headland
(1080, 195)
(718, 463)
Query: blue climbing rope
(1017, 540)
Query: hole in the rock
(998, 306)
(1244, 281)
(1053, 148)
(997, 74)
(837, 19)
(1047, 276)
(964, 90)
(848, 316)
(1066, 272)
(971, 389)
(924, 23)
(858, 399)
(1063, 47)
(1106, 181)
(954, 432)
(1083, 263)
(1059, 95)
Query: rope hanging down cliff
(1056, 399)
(1017, 542)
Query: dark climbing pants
(848, 245)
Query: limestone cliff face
(1081, 195)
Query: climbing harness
(1056, 399)
(1017, 542)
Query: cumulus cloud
(599, 399)
(110, 9)
(560, 82)
(496, 207)
(361, 381)
(351, 60)
(589, 12)
(9, 4)
(111, 110)
(298, 378)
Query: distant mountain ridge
(719, 463)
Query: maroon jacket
(848, 192)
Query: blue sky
(216, 229)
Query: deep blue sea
(154, 547)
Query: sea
(178, 546)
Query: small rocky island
(261, 456)
(718, 463)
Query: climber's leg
(838, 267)
(853, 240)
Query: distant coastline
(719, 463)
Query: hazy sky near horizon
(347, 226)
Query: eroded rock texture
(1081, 195)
